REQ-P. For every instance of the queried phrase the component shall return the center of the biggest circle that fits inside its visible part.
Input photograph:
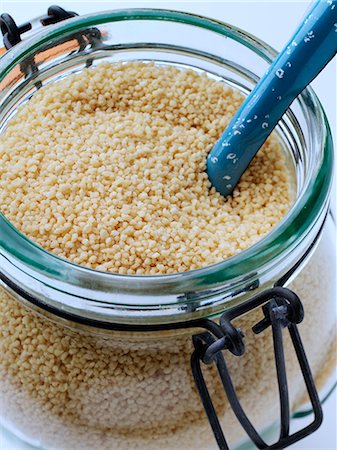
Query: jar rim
(287, 234)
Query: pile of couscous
(107, 168)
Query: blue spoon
(312, 46)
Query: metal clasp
(12, 34)
(282, 309)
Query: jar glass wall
(68, 387)
(71, 384)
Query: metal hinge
(282, 309)
(12, 34)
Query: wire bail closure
(282, 309)
(12, 36)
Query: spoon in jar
(311, 47)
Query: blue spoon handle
(312, 46)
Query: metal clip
(282, 309)
(57, 14)
(12, 36)
(10, 31)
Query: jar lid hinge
(12, 34)
(282, 309)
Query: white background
(273, 22)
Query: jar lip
(265, 253)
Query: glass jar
(93, 360)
